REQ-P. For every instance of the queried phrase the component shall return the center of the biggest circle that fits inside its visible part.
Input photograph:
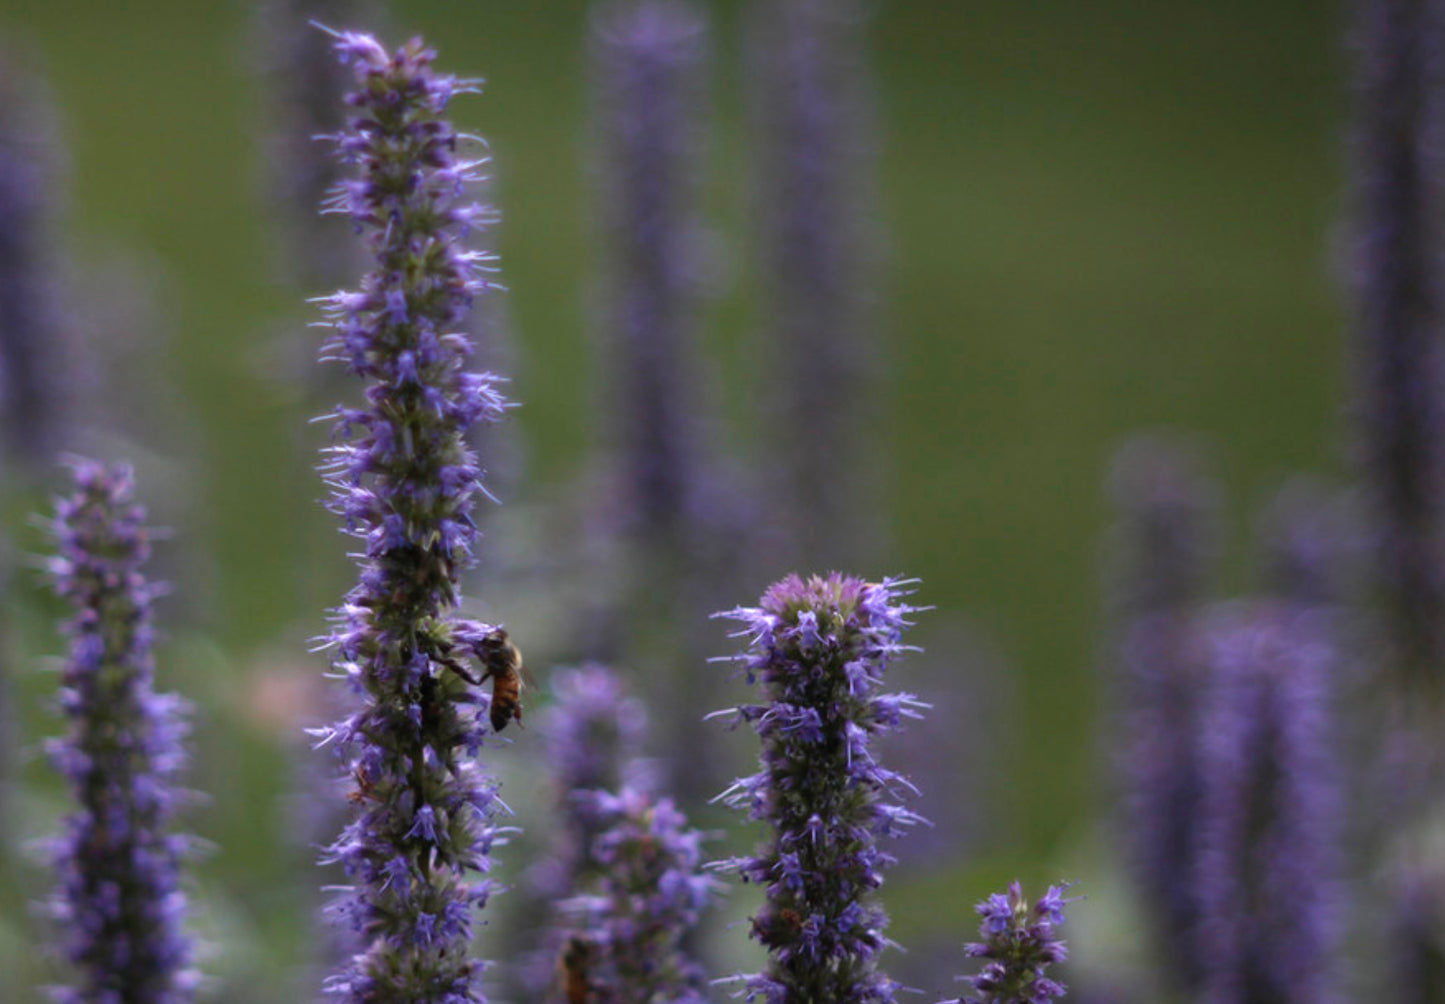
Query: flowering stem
(820, 648)
(119, 903)
(1019, 944)
(404, 481)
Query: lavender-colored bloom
(816, 249)
(650, 896)
(649, 59)
(404, 481)
(593, 735)
(306, 86)
(1161, 550)
(1304, 540)
(119, 903)
(1267, 871)
(666, 511)
(1019, 944)
(31, 322)
(594, 731)
(1166, 536)
(1396, 265)
(820, 648)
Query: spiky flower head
(119, 903)
(819, 647)
(650, 896)
(404, 482)
(594, 734)
(1019, 943)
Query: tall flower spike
(816, 220)
(304, 89)
(1019, 944)
(650, 898)
(648, 60)
(668, 512)
(31, 322)
(1160, 558)
(119, 903)
(1268, 869)
(404, 481)
(1399, 312)
(820, 648)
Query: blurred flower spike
(119, 902)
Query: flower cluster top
(819, 648)
(1019, 944)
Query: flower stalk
(820, 647)
(1019, 944)
(119, 903)
(404, 482)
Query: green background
(1099, 218)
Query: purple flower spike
(819, 648)
(594, 731)
(1019, 944)
(1399, 311)
(817, 239)
(32, 324)
(649, 59)
(650, 897)
(1268, 868)
(1162, 550)
(119, 903)
(404, 482)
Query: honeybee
(502, 662)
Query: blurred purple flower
(650, 896)
(32, 325)
(593, 735)
(404, 482)
(1161, 553)
(810, 106)
(119, 904)
(1019, 944)
(648, 60)
(1270, 812)
(305, 86)
(594, 731)
(1395, 270)
(820, 648)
